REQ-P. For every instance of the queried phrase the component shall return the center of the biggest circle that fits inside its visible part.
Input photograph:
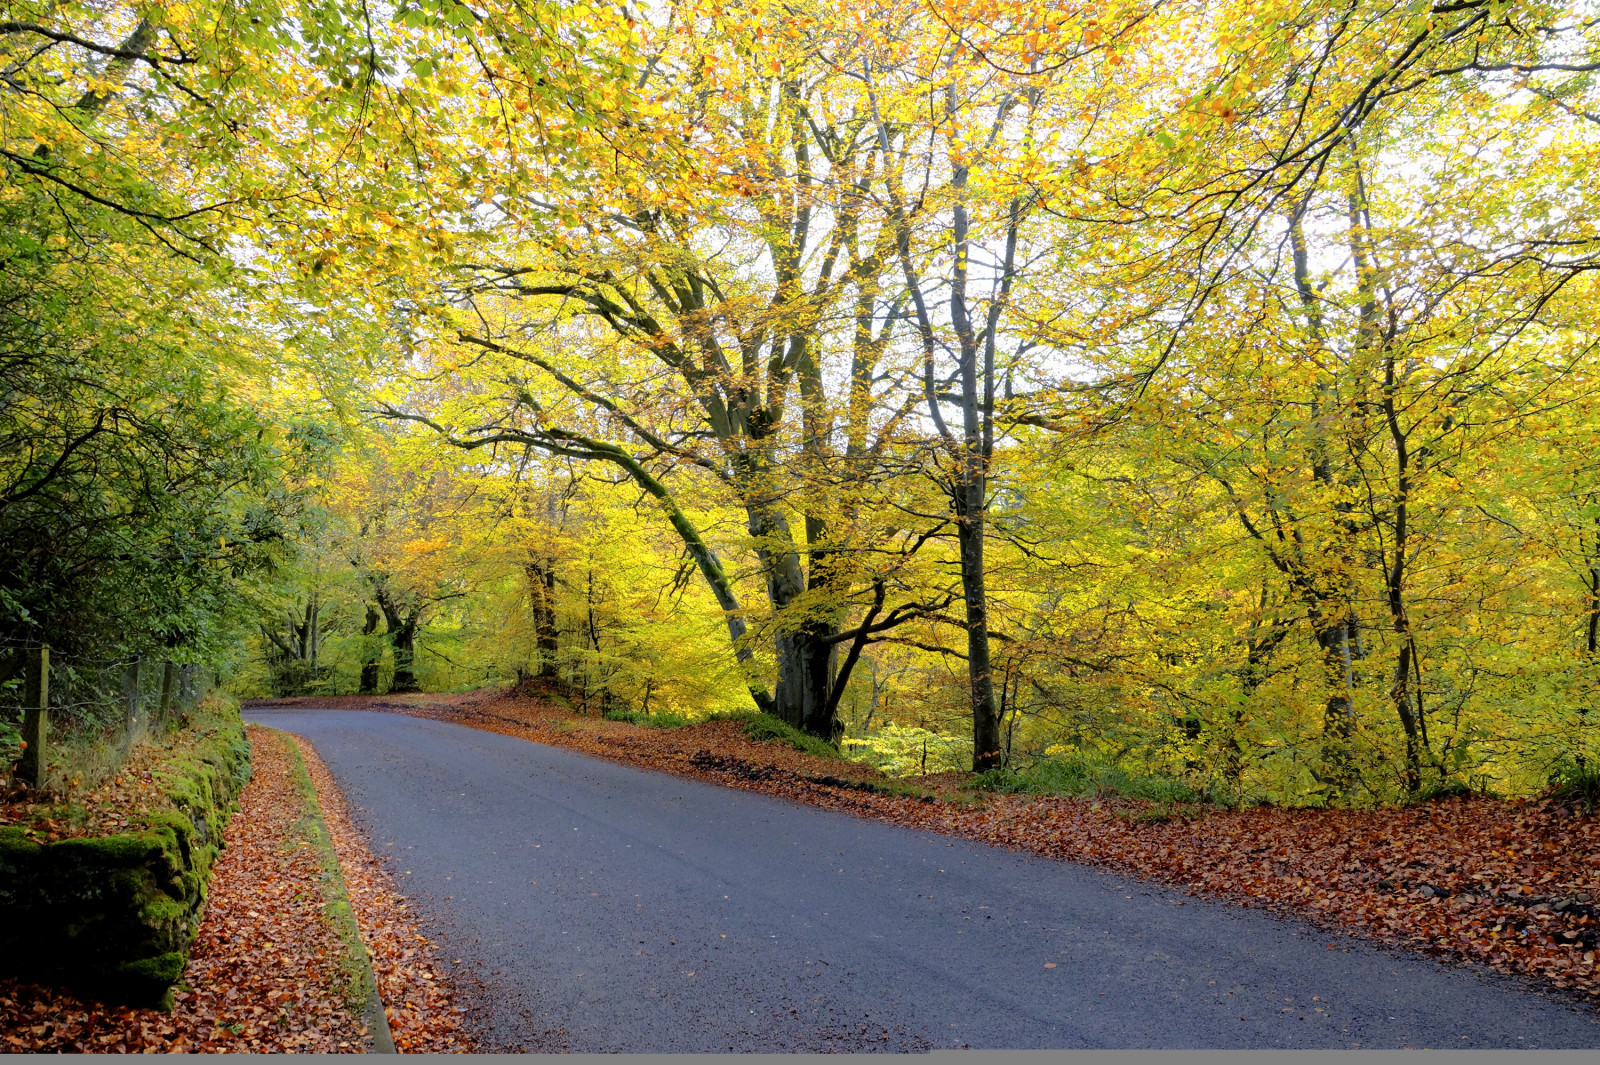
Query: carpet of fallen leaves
(1514, 886)
(264, 974)
(111, 806)
(415, 987)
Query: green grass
(1086, 777)
(634, 717)
(1448, 789)
(355, 965)
(756, 726)
(766, 727)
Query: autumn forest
(1188, 391)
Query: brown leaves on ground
(115, 805)
(413, 984)
(1511, 885)
(264, 975)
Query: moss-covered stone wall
(115, 915)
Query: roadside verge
(267, 972)
(361, 985)
(416, 986)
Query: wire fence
(69, 719)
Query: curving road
(603, 908)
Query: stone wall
(115, 915)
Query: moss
(115, 915)
(15, 846)
(163, 968)
(163, 910)
(149, 979)
(127, 848)
(361, 984)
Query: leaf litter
(416, 988)
(264, 975)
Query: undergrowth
(1447, 789)
(661, 720)
(1079, 776)
(766, 727)
(754, 725)
(1578, 785)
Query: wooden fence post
(36, 716)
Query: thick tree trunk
(806, 665)
(542, 599)
(807, 656)
(402, 643)
(369, 653)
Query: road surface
(598, 907)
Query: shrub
(908, 751)
(1578, 785)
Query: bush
(1578, 785)
(898, 751)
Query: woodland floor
(265, 973)
(1512, 885)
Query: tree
(673, 365)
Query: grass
(754, 725)
(1079, 776)
(661, 720)
(1447, 789)
(766, 727)
(361, 984)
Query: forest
(1201, 390)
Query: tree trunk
(402, 642)
(1338, 715)
(542, 595)
(807, 655)
(35, 765)
(806, 666)
(986, 752)
(169, 690)
(369, 653)
(132, 697)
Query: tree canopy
(1207, 385)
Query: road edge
(363, 981)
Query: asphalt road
(603, 908)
